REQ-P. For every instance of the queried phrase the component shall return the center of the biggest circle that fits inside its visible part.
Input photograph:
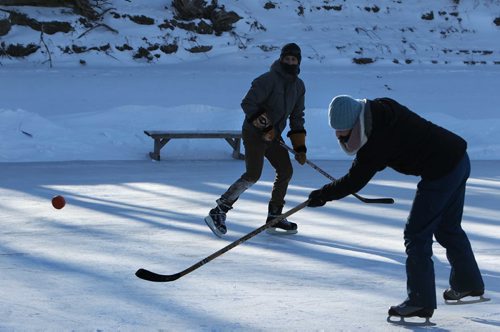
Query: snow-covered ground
(77, 131)
(100, 114)
(73, 269)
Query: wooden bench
(161, 138)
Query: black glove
(316, 198)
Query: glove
(316, 199)
(298, 139)
(262, 122)
(301, 157)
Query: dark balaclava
(293, 50)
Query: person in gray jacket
(274, 97)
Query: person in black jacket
(274, 98)
(383, 133)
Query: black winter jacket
(279, 94)
(402, 140)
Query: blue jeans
(437, 210)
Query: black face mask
(290, 69)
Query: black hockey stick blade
(375, 200)
(331, 178)
(155, 277)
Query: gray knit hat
(344, 112)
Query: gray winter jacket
(280, 95)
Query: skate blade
(402, 322)
(210, 224)
(279, 231)
(467, 301)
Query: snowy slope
(99, 110)
(330, 32)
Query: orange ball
(58, 202)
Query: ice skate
(454, 297)
(216, 219)
(282, 227)
(404, 311)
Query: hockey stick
(152, 276)
(361, 198)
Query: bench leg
(159, 143)
(236, 145)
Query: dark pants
(437, 210)
(255, 151)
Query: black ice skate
(404, 310)
(282, 227)
(452, 296)
(216, 218)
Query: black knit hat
(291, 49)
